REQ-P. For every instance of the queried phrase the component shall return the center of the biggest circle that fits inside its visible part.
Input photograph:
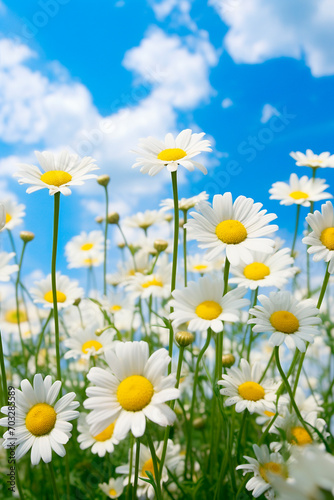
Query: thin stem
(296, 231)
(127, 246)
(40, 340)
(18, 483)
(105, 244)
(53, 276)
(175, 250)
(220, 334)
(155, 464)
(130, 467)
(135, 483)
(251, 329)
(12, 243)
(185, 213)
(3, 375)
(52, 474)
(17, 283)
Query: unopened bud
(184, 338)
(113, 218)
(77, 302)
(103, 180)
(99, 219)
(160, 245)
(228, 360)
(99, 332)
(121, 245)
(168, 217)
(199, 423)
(26, 236)
(181, 222)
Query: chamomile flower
(154, 155)
(114, 488)
(184, 203)
(6, 269)
(237, 228)
(133, 387)
(11, 316)
(139, 263)
(301, 191)
(85, 343)
(263, 468)
(310, 159)
(101, 443)
(144, 220)
(291, 321)
(84, 248)
(295, 432)
(199, 264)
(41, 423)
(59, 171)
(321, 239)
(202, 304)
(264, 269)
(243, 388)
(14, 213)
(67, 292)
(151, 285)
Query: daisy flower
(151, 285)
(85, 343)
(41, 423)
(10, 317)
(59, 171)
(184, 203)
(237, 228)
(310, 159)
(321, 239)
(289, 320)
(128, 269)
(264, 270)
(199, 264)
(264, 467)
(202, 304)
(14, 214)
(301, 191)
(114, 488)
(295, 432)
(67, 292)
(155, 154)
(84, 248)
(133, 387)
(101, 443)
(144, 220)
(243, 389)
(6, 269)
(2, 216)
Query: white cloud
(267, 112)
(179, 10)
(227, 103)
(263, 29)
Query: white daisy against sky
(84, 249)
(42, 424)
(154, 155)
(300, 191)
(7, 268)
(84, 343)
(67, 292)
(156, 284)
(10, 317)
(59, 172)
(264, 269)
(321, 239)
(244, 389)
(313, 160)
(114, 488)
(203, 305)
(101, 443)
(184, 203)
(199, 264)
(144, 220)
(140, 263)
(14, 213)
(237, 228)
(289, 320)
(132, 388)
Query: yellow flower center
(8, 218)
(134, 393)
(284, 321)
(209, 309)
(231, 232)
(106, 434)
(41, 419)
(272, 468)
(256, 271)
(89, 344)
(299, 195)
(327, 238)
(61, 297)
(300, 436)
(90, 262)
(269, 413)
(152, 282)
(252, 391)
(115, 308)
(15, 317)
(112, 492)
(200, 267)
(87, 246)
(56, 177)
(171, 154)
(148, 466)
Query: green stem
(40, 340)
(175, 249)
(135, 483)
(130, 468)
(53, 276)
(220, 334)
(296, 231)
(127, 246)
(52, 475)
(3, 375)
(17, 283)
(155, 464)
(12, 243)
(251, 329)
(185, 213)
(18, 483)
(267, 367)
(105, 244)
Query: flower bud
(160, 245)
(26, 236)
(99, 332)
(228, 360)
(77, 302)
(99, 219)
(103, 180)
(168, 217)
(199, 423)
(113, 218)
(184, 338)
(121, 245)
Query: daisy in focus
(151, 285)
(14, 213)
(154, 155)
(67, 292)
(312, 160)
(301, 191)
(85, 249)
(101, 443)
(59, 172)
(202, 304)
(321, 239)
(291, 321)
(41, 423)
(133, 387)
(237, 228)
(6, 269)
(244, 390)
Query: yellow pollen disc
(152, 282)
(115, 308)
(87, 246)
(298, 195)
(231, 232)
(300, 436)
(106, 434)
(252, 391)
(112, 492)
(89, 344)
(61, 297)
(90, 262)
(134, 393)
(56, 177)
(208, 309)
(171, 154)
(41, 419)
(13, 317)
(327, 238)
(8, 218)
(200, 267)
(256, 271)
(148, 466)
(269, 413)
(272, 468)
(284, 321)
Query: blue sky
(257, 78)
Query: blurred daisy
(289, 320)
(244, 390)
(114, 488)
(6, 269)
(67, 292)
(321, 239)
(41, 424)
(296, 434)
(59, 171)
(144, 220)
(133, 388)
(11, 316)
(155, 154)
(199, 264)
(184, 203)
(301, 191)
(264, 270)
(129, 268)
(2, 216)
(101, 443)
(151, 285)
(85, 343)
(310, 159)
(202, 304)
(14, 213)
(237, 228)
(84, 248)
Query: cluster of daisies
(198, 364)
